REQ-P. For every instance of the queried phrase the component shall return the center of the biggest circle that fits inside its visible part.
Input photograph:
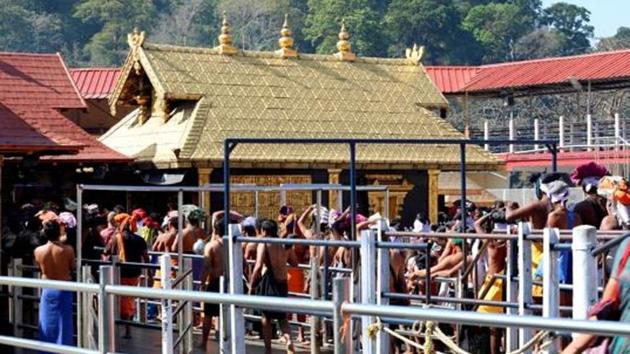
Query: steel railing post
(382, 286)
(106, 319)
(237, 322)
(584, 239)
(143, 302)
(315, 320)
(16, 293)
(340, 295)
(524, 279)
(224, 343)
(116, 277)
(536, 133)
(551, 286)
(79, 255)
(511, 339)
(167, 306)
(368, 286)
(188, 311)
(84, 311)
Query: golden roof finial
(286, 41)
(136, 38)
(343, 45)
(415, 54)
(225, 38)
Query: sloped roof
(260, 94)
(95, 83)
(451, 79)
(604, 70)
(34, 88)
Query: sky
(606, 15)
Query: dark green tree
(571, 24)
(497, 27)
(434, 24)
(362, 19)
(116, 18)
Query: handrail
(304, 242)
(604, 328)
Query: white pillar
(525, 279)
(561, 131)
(167, 306)
(617, 128)
(511, 131)
(536, 133)
(584, 266)
(237, 322)
(486, 134)
(589, 130)
(368, 286)
(383, 264)
(551, 287)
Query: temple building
(186, 101)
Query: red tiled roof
(34, 88)
(451, 79)
(95, 83)
(596, 67)
(549, 71)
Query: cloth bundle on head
(69, 204)
(557, 191)
(333, 216)
(67, 219)
(46, 215)
(123, 220)
(324, 215)
(196, 214)
(588, 175)
(608, 185)
(249, 221)
(91, 209)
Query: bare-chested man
(191, 233)
(56, 262)
(213, 269)
(274, 259)
(492, 290)
(165, 241)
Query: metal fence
(367, 301)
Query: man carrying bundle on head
(592, 210)
(130, 248)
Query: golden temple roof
(194, 98)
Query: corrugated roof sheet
(95, 83)
(451, 79)
(33, 90)
(588, 67)
(258, 94)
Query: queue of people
(271, 269)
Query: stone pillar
(433, 195)
(203, 175)
(333, 178)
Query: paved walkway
(145, 341)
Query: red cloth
(590, 169)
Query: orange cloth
(295, 280)
(128, 303)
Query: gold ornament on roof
(343, 45)
(415, 54)
(286, 41)
(136, 38)
(225, 38)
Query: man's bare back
(558, 219)
(213, 260)
(165, 241)
(190, 236)
(536, 212)
(276, 259)
(56, 260)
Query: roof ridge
(273, 54)
(30, 54)
(94, 69)
(74, 84)
(568, 57)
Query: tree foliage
(93, 32)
